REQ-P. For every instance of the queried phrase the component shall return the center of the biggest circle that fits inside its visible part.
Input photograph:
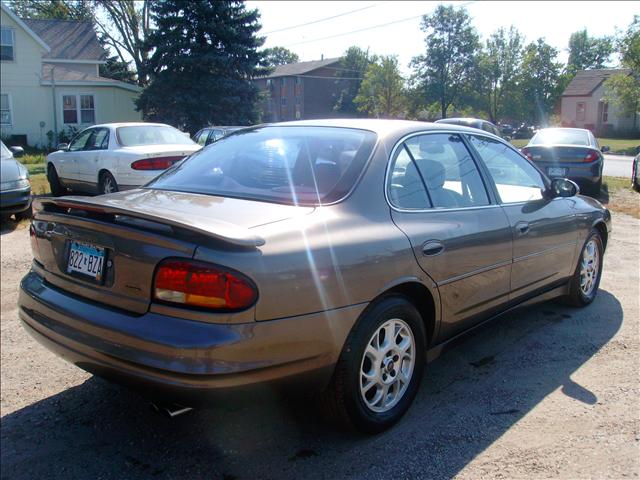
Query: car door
(544, 230)
(90, 162)
(68, 163)
(459, 234)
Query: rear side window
(515, 178)
(435, 170)
(296, 165)
(201, 137)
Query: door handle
(432, 247)
(522, 228)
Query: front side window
(201, 137)
(440, 168)
(292, 165)
(7, 44)
(81, 141)
(515, 178)
(99, 140)
(136, 135)
(5, 110)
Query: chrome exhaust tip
(170, 411)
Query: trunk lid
(137, 229)
(558, 153)
(149, 151)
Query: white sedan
(116, 156)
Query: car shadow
(470, 396)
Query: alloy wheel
(387, 365)
(589, 267)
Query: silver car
(15, 187)
(333, 256)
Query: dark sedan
(333, 255)
(209, 135)
(571, 153)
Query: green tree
(206, 55)
(450, 59)
(382, 90)
(353, 66)
(623, 89)
(500, 65)
(275, 56)
(539, 80)
(587, 52)
(77, 10)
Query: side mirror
(63, 146)
(563, 187)
(17, 151)
(605, 149)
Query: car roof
(130, 124)
(382, 127)
(564, 128)
(468, 120)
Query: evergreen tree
(206, 54)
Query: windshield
(151, 135)
(561, 137)
(5, 153)
(295, 165)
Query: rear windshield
(295, 165)
(560, 137)
(136, 135)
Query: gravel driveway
(548, 391)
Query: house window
(5, 109)
(605, 112)
(581, 110)
(298, 102)
(87, 109)
(269, 84)
(7, 44)
(283, 101)
(80, 107)
(298, 80)
(283, 82)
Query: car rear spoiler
(219, 229)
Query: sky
(555, 21)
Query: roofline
(273, 75)
(80, 83)
(17, 19)
(64, 60)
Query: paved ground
(548, 392)
(617, 166)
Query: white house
(583, 106)
(49, 79)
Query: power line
(322, 19)
(366, 28)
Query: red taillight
(590, 157)
(525, 152)
(156, 163)
(198, 284)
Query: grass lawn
(618, 196)
(618, 146)
(39, 184)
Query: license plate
(557, 172)
(86, 259)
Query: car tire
(585, 282)
(371, 363)
(107, 183)
(54, 182)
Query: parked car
(333, 255)
(473, 123)
(209, 135)
(635, 171)
(525, 131)
(573, 153)
(116, 156)
(15, 187)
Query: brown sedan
(337, 255)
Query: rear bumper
(15, 201)
(184, 360)
(578, 172)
